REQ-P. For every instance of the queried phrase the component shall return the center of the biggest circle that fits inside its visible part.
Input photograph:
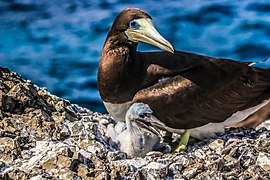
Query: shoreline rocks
(43, 136)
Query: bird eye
(142, 115)
(134, 24)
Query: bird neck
(117, 72)
(136, 135)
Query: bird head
(137, 25)
(140, 117)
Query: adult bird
(184, 90)
(138, 135)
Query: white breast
(118, 111)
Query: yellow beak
(148, 34)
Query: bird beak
(150, 122)
(148, 34)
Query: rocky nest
(46, 137)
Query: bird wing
(199, 89)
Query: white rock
(263, 160)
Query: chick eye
(134, 24)
(142, 115)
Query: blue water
(57, 43)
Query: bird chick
(139, 135)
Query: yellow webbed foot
(182, 146)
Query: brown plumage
(255, 119)
(196, 89)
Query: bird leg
(183, 142)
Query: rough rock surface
(45, 137)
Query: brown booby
(184, 90)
